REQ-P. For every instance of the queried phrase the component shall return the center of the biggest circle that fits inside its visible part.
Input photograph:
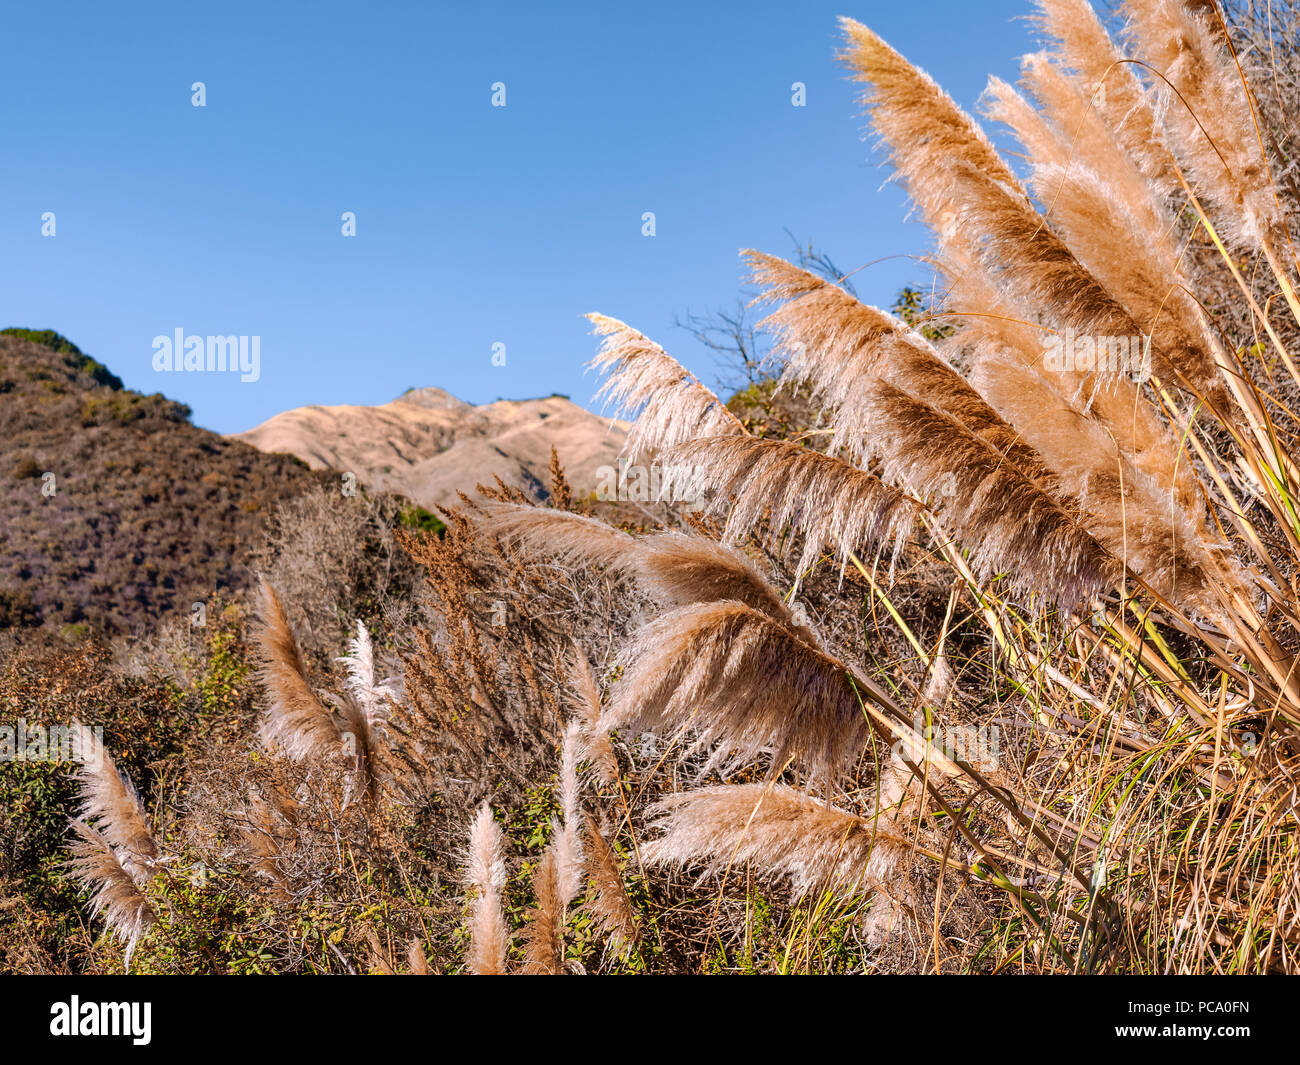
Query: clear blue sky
(475, 224)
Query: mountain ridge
(428, 444)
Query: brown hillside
(149, 513)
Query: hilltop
(427, 444)
(116, 509)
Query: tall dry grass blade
(780, 831)
(646, 383)
(295, 719)
(486, 876)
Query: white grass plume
(745, 686)
(372, 696)
(486, 876)
(109, 801)
(100, 870)
(778, 830)
(646, 383)
(567, 834)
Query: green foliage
(74, 356)
(223, 685)
(131, 408)
(917, 309)
(417, 519)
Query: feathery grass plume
(364, 709)
(101, 872)
(1082, 46)
(1211, 123)
(677, 569)
(295, 718)
(543, 932)
(607, 902)
(1126, 510)
(779, 830)
(837, 345)
(372, 696)
(924, 128)
(835, 505)
(1105, 210)
(746, 686)
(415, 958)
(1036, 269)
(566, 836)
(668, 402)
(584, 700)
(671, 567)
(265, 836)
(1006, 522)
(109, 801)
(486, 875)
(360, 740)
(986, 225)
(572, 538)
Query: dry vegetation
(666, 739)
(115, 509)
